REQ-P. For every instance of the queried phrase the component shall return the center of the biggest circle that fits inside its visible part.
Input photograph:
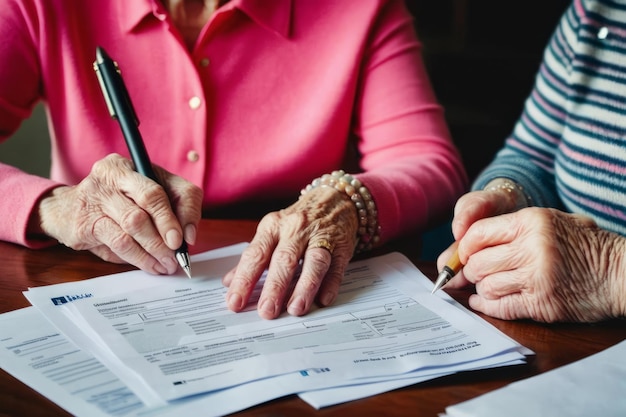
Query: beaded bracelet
(369, 231)
(513, 188)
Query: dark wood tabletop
(554, 345)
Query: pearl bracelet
(369, 231)
(514, 189)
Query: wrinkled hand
(122, 216)
(470, 208)
(282, 240)
(545, 265)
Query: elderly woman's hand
(320, 230)
(545, 265)
(470, 208)
(122, 216)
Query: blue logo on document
(57, 301)
(64, 299)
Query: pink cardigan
(272, 96)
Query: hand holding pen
(120, 108)
(494, 200)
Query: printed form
(178, 339)
(36, 353)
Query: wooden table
(554, 345)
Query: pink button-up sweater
(273, 95)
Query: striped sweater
(568, 149)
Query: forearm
(21, 195)
(416, 192)
(410, 163)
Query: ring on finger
(324, 243)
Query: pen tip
(442, 279)
(184, 262)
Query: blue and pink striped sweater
(568, 149)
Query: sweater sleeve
(19, 91)
(410, 163)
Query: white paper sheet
(36, 353)
(337, 395)
(594, 386)
(79, 333)
(32, 350)
(375, 328)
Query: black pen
(121, 108)
(452, 267)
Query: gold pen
(453, 266)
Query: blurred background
(482, 56)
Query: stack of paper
(135, 344)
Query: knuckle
(276, 286)
(286, 257)
(269, 221)
(103, 167)
(253, 254)
(193, 191)
(244, 280)
(309, 286)
(100, 168)
(122, 243)
(133, 219)
(83, 236)
(152, 195)
(188, 196)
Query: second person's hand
(471, 207)
(546, 265)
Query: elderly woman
(542, 234)
(242, 105)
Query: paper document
(179, 339)
(168, 345)
(36, 353)
(594, 386)
(336, 395)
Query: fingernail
(267, 308)
(234, 301)
(160, 269)
(297, 306)
(328, 298)
(190, 234)
(169, 263)
(172, 238)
